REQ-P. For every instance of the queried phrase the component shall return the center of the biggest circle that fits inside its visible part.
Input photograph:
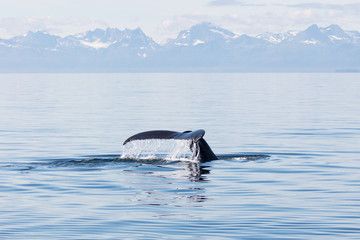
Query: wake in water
(150, 151)
(173, 150)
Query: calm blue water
(61, 138)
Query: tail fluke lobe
(157, 134)
(199, 147)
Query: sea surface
(288, 148)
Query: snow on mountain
(336, 33)
(136, 39)
(276, 38)
(34, 40)
(355, 36)
(332, 34)
(113, 38)
(99, 38)
(202, 33)
(107, 35)
(312, 35)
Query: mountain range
(202, 48)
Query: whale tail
(198, 146)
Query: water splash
(158, 148)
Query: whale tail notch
(199, 147)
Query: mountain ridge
(203, 47)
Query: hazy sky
(161, 19)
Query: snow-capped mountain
(100, 38)
(202, 33)
(33, 40)
(313, 35)
(203, 47)
(328, 35)
(96, 39)
(276, 38)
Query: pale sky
(161, 19)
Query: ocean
(287, 143)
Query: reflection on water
(197, 172)
(138, 173)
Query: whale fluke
(198, 146)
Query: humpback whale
(198, 146)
